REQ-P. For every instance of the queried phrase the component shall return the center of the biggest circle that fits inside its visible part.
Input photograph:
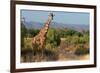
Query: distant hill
(77, 27)
(35, 25)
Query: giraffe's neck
(44, 30)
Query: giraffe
(39, 41)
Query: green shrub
(53, 39)
(68, 39)
(27, 43)
(32, 32)
(74, 39)
(82, 40)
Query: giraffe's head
(51, 15)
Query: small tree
(23, 34)
(53, 39)
(33, 32)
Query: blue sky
(60, 17)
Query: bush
(53, 39)
(75, 39)
(32, 32)
(81, 50)
(68, 39)
(82, 40)
(27, 43)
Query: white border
(52, 64)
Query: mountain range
(77, 27)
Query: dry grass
(63, 52)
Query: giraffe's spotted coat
(39, 40)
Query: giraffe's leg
(42, 50)
(33, 49)
(41, 46)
